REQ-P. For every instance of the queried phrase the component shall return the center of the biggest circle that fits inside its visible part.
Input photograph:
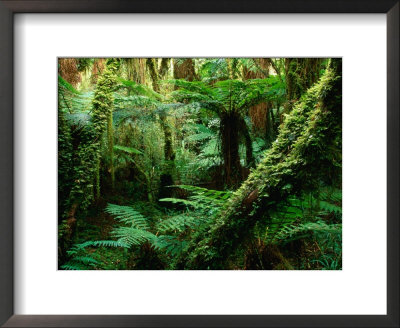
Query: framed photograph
(206, 164)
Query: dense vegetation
(206, 163)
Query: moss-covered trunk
(110, 141)
(102, 116)
(307, 150)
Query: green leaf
(128, 150)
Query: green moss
(102, 115)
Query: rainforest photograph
(199, 163)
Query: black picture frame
(10, 7)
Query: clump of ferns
(310, 219)
(164, 237)
(81, 258)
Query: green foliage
(81, 259)
(102, 243)
(62, 84)
(169, 145)
(139, 89)
(74, 148)
(128, 215)
(178, 222)
(301, 230)
(224, 96)
(170, 245)
(103, 101)
(132, 236)
(84, 64)
(202, 199)
(166, 235)
(129, 150)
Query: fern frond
(207, 196)
(297, 231)
(177, 223)
(73, 266)
(67, 86)
(128, 215)
(169, 245)
(100, 243)
(139, 89)
(129, 150)
(329, 207)
(80, 263)
(85, 260)
(181, 201)
(132, 236)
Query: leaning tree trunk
(307, 149)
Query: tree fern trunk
(260, 113)
(248, 143)
(184, 69)
(68, 70)
(229, 128)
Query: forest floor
(97, 226)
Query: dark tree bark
(301, 74)
(164, 67)
(184, 69)
(229, 129)
(260, 114)
(244, 130)
(68, 70)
